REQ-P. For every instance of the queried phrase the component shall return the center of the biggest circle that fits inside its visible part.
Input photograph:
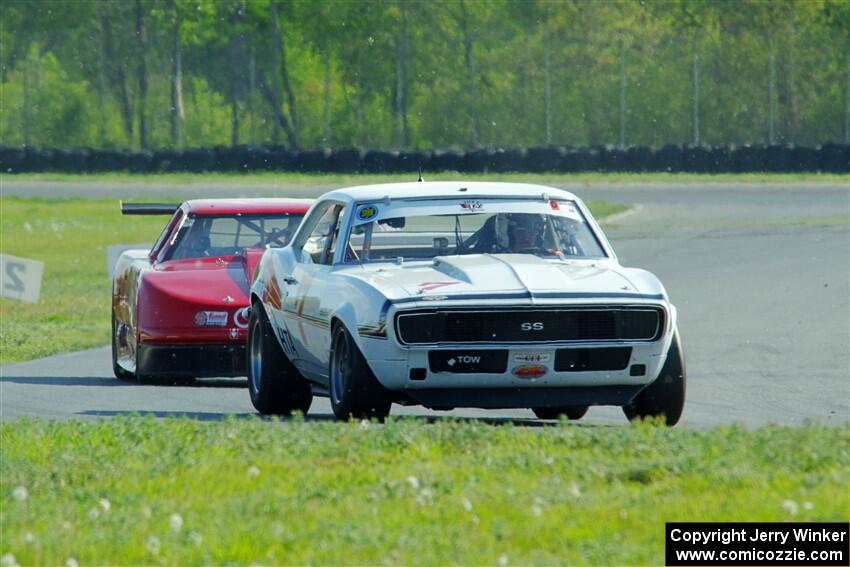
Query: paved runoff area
(760, 274)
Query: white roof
(476, 189)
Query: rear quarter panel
(337, 299)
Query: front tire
(354, 390)
(119, 372)
(666, 396)
(571, 412)
(274, 384)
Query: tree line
(411, 74)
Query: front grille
(530, 325)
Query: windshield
(424, 230)
(202, 236)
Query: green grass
(179, 492)
(331, 179)
(70, 237)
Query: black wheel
(275, 385)
(666, 396)
(354, 390)
(572, 412)
(119, 372)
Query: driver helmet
(518, 232)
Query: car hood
(507, 274)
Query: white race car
(456, 294)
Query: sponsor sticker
(240, 318)
(217, 318)
(468, 362)
(532, 357)
(464, 359)
(211, 318)
(472, 206)
(529, 371)
(367, 212)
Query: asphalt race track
(760, 275)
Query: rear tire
(274, 384)
(354, 390)
(119, 372)
(666, 396)
(571, 412)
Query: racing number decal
(13, 283)
(20, 278)
(285, 341)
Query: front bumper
(502, 398)
(414, 377)
(521, 375)
(199, 361)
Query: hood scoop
(451, 269)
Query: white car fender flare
(673, 324)
(347, 317)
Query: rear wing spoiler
(148, 208)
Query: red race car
(180, 310)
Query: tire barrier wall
(829, 158)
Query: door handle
(289, 280)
